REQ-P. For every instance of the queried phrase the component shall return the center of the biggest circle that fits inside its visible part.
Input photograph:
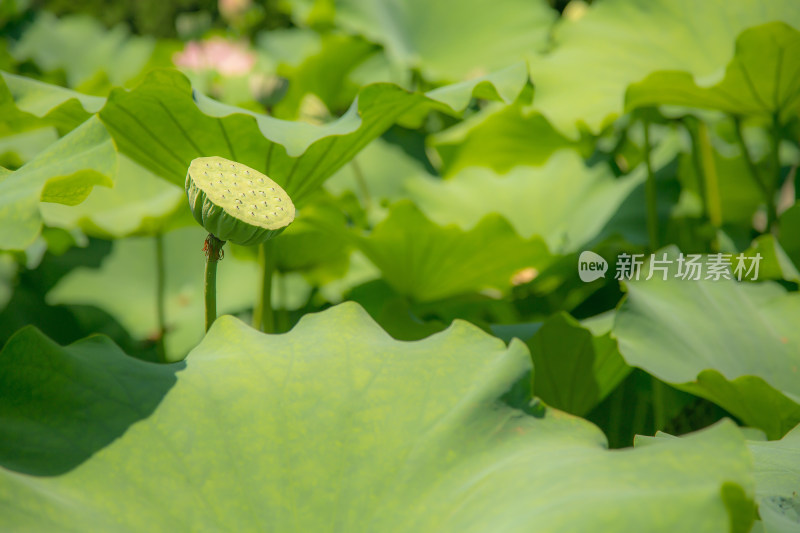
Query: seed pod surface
(236, 203)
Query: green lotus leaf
(777, 476)
(427, 262)
(503, 85)
(26, 103)
(64, 173)
(140, 203)
(333, 425)
(734, 343)
(620, 42)
(83, 48)
(761, 79)
(565, 202)
(499, 137)
(125, 287)
(449, 40)
(163, 126)
(236, 203)
(574, 367)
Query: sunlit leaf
(162, 125)
(426, 262)
(564, 201)
(620, 42)
(64, 173)
(139, 203)
(761, 79)
(333, 424)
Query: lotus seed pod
(235, 203)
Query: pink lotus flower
(226, 57)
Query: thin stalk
(772, 185)
(766, 190)
(213, 249)
(282, 313)
(659, 411)
(263, 315)
(690, 123)
(709, 176)
(650, 189)
(361, 182)
(160, 283)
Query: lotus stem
(650, 189)
(160, 283)
(213, 250)
(263, 314)
(764, 185)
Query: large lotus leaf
(762, 78)
(736, 344)
(565, 202)
(620, 42)
(64, 173)
(334, 426)
(163, 125)
(125, 287)
(83, 48)
(140, 203)
(23, 101)
(777, 476)
(450, 40)
(574, 368)
(427, 262)
(498, 137)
